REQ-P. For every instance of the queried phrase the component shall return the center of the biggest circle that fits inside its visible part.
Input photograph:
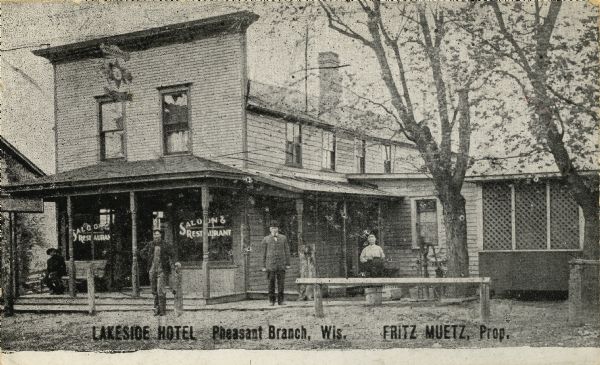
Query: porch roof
(314, 184)
(186, 167)
(121, 171)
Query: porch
(214, 216)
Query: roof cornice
(154, 37)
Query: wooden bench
(484, 287)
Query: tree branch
(508, 36)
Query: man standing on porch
(162, 260)
(276, 259)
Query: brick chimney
(330, 82)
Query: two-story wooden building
(162, 128)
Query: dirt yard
(517, 323)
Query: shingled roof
(132, 171)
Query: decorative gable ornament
(115, 71)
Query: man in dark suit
(162, 260)
(55, 271)
(276, 259)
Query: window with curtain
(112, 133)
(175, 119)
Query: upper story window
(387, 158)
(328, 161)
(360, 151)
(175, 113)
(293, 144)
(112, 131)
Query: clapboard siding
(214, 68)
(266, 146)
(398, 236)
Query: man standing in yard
(276, 259)
(162, 260)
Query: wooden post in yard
(205, 269)
(575, 293)
(71, 249)
(178, 290)
(318, 302)
(135, 284)
(484, 301)
(91, 289)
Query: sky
(275, 54)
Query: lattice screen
(497, 232)
(564, 219)
(530, 216)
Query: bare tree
(419, 49)
(553, 61)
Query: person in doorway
(276, 259)
(162, 262)
(372, 257)
(56, 269)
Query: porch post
(70, 243)
(245, 229)
(380, 224)
(300, 221)
(344, 239)
(15, 256)
(316, 242)
(205, 270)
(135, 284)
(8, 269)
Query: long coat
(276, 255)
(168, 256)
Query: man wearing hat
(56, 269)
(162, 259)
(276, 259)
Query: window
(112, 135)
(426, 223)
(92, 233)
(293, 144)
(328, 151)
(360, 149)
(175, 119)
(387, 158)
(529, 215)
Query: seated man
(56, 269)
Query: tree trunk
(591, 246)
(455, 223)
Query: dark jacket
(56, 264)
(168, 256)
(276, 255)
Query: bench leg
(318, 301)
(484, 302)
